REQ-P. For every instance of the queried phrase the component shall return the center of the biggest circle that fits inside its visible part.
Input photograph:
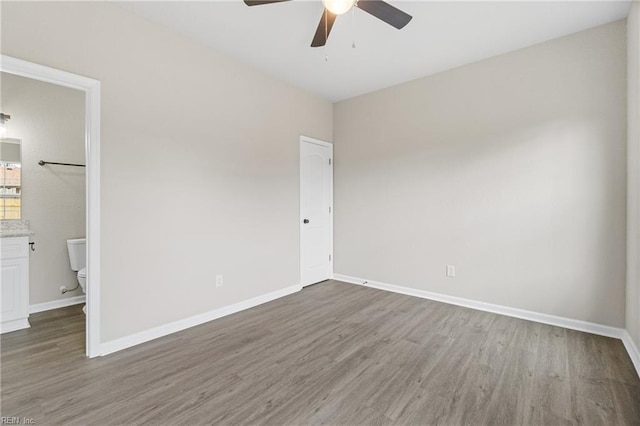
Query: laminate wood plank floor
(333, 353)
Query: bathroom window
(10, 185)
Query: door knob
(305, 221)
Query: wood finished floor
(332, 354)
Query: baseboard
(573, 324)
(632, 349)
(164, 330)
(55, 304)
(15, 325)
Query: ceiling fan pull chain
(326, 34)
(353, 26)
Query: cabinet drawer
(12, 248)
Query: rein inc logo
(7, 420)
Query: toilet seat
(82, 273)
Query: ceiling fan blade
(385, 12)
(324, 28)
(259, 2)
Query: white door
(316, 199)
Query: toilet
(78, 260)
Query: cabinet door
(13, 279)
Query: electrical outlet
(219, 281)
(451, 271)
(63, 289)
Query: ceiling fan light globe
(338, 7)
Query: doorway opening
(91, 90)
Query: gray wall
(512, 169)
(633, 236)
(49, 120)
(199, 161)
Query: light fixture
(338, 7)
(4, 118)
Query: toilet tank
(77, 253)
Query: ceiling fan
(332, 8)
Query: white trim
(15, 325)
(573, 324)
(91, 88)
(55, 304)
(329, 145)
(632, 349)
(308, 139)
(166, 329)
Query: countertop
(15, 228)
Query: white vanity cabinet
(14, 283)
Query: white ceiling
(276, 38)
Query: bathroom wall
(513, 169)
(49, 120)
(184, 123)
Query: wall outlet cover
(451, 271)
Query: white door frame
(91, 88)
(307, 139)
